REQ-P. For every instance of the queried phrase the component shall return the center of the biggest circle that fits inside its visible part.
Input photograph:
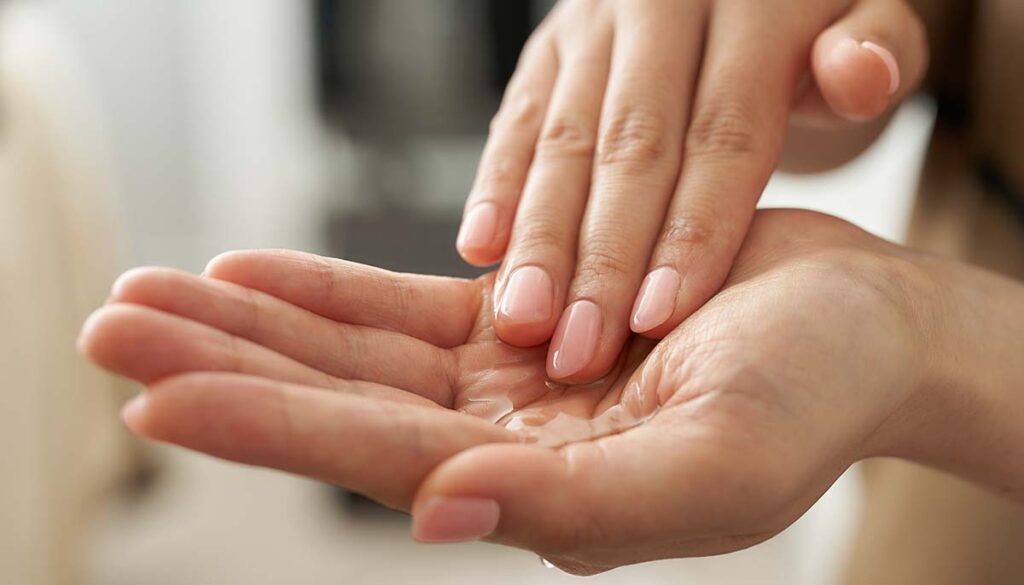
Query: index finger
(438, 310)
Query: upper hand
(367, 379)
(632, 144)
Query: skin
(638, 136)
(825, 346)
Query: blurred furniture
(407, 90)
(59, 440)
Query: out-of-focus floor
(208, 522)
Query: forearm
(970, 410)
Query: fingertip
(460, 519)
(87, 333)
(477, 234)
(525, 313)
(856, 78)
(127, 281)
(572, 356)
(226, 263)
(99, 338)
(656, 301)
(482, 258)
(133, 414)
(523, 335)
(518, 487)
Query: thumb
(666, 489)
(868, 61)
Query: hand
(807, 361)
(631, 147)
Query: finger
(731, 149)
(441, 311)
(381, 449)
(872, 58)
(339, 349)
(491, 207)
(541, 255)
(147, 345)
(662, 490)
(654, 68)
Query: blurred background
(164, 132)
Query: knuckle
(565, 137)
(633, 137)
(724, 129)
(568, 12)
(252, 323)
(542, 233)
(689, 231)
(604, 258)
(536, 42)
(323, 273)
(590, 5)
(520, 109)
(401, 301)
(499, 175)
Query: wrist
(911, 283)
(964, 411)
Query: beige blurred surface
(59, 445)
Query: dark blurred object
(402, 242)
(368, 52)
(511, 24)
(362, 508)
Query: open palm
(391, 384)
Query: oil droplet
(547, 564)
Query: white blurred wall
(212, 120)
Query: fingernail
(529, 296)
(131, 412)
(656, 301)
(575, 339)
(443, 519)
(890, 63)
(478, 227)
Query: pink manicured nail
(529, 296)
(455, 519)
(890, 63)
(656, 301)
(478, 227)
(575, 339)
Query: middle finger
(654, 69)
(530, 291)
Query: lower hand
(804, 363)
